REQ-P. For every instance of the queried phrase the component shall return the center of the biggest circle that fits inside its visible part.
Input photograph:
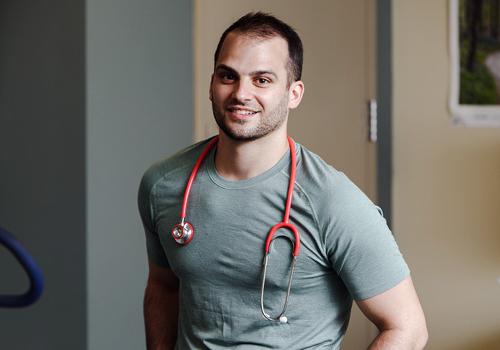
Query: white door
(339, 52)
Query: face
(249, 88)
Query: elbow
(419, 332)
(418, 336)
(413, 338)
(421, 338)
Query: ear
(210, 88)
(295, 93)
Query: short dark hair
(264, 25)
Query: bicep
(396, 308)
(162, 276)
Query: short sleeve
(154, 249)
(360, 245)
(153, 245)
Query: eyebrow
(223, 67)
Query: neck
(240, 160)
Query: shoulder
(181, 161)
(172, 168)
(332, 194)
(318, 177)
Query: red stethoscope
(183, 232)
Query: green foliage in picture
(477, 88)
(479, 30)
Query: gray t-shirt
(347, 251)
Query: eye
(226, 77)
(263, 81)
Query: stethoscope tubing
(183, 232)
(29, 265)
(291, 182)
(194, 172)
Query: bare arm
(398, 316)
(161, 308)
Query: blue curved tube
(29, 265)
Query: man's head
(264, 26)
(256, 79)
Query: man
(207, 294)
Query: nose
(243, 90)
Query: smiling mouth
(242, 112)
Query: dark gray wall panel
(140, 109)
(90, 95)
(384, 98)
(42, 170)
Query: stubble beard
(267, 123)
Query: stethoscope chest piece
(183, 233)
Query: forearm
(161, 309)
(396, 339)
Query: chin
(240, 136)
(234, 131)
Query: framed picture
(475, 62)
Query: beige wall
(446, 186)
(338, 75)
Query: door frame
(384, 106)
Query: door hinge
(372, 120)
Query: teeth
(242, 112)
